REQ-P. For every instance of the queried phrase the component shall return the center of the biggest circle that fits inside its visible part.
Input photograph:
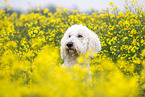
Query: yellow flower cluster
(30, 63)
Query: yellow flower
(45, 10)
(38, 9)
(92, 8)
(9, 6)
(65, 9)
(111, 3)
(80, 59)
(143, 53)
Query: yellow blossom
(45, 10)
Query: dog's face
(75, 43)
(78, 39)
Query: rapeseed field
(30, 63)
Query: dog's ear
(94, 44)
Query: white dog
(77, 40)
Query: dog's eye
(69, 36)
(80, 36)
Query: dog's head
(79, 39)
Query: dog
(78, 40)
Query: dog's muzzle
(70, 49)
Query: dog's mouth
(71, 51)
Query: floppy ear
(94, 44)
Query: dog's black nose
(70, 44)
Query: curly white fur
(78, 39)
